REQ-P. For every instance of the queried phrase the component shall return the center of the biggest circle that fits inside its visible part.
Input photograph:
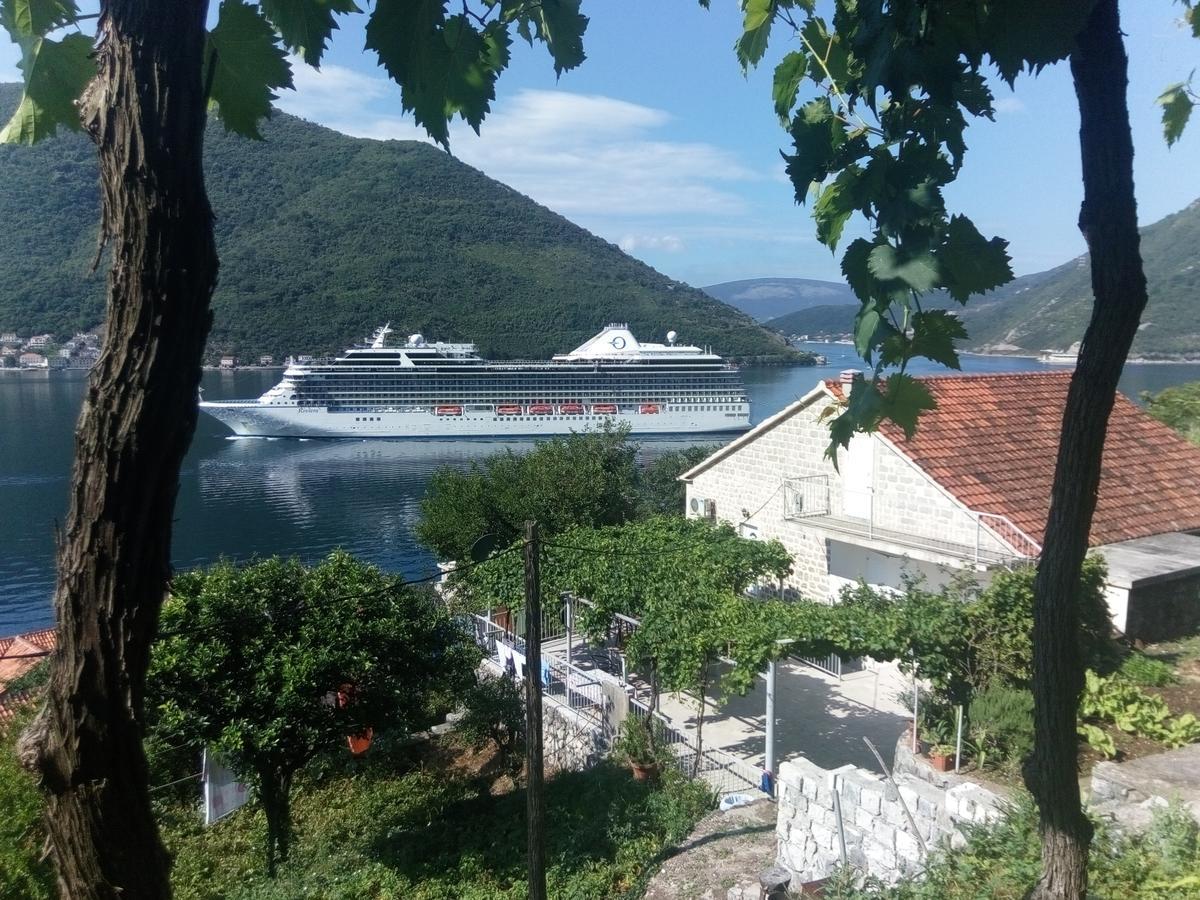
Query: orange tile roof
(992, 442)
(21, 652)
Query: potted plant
(941, 757)
(640, 745)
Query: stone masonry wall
(1165, 610)
(880, 839)
(750, 481)
(571, 742)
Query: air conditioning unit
(702, 506)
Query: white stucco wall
(747, 486)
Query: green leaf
(35, 18)
(866, 324)
(919, 270)
(1177, 109)
(248, 66)
(756, 30)
(934, 332)
(443, 65)
(306, 25)
(905, 400)
(835, 204)
(56, 72)
(816, 135)
(828, 53)
(561, 26)
(970, 263)
(1031, 34)
(788, 75)
(856, 271)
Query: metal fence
(723, 772)
(582, 691)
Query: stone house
(970, 491)
(32, 361)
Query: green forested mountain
(1049, 310)
(323, 237)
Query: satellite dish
(416, 340)
(671, 335)
(484, 547)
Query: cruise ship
(447, 390)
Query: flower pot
(941, 763)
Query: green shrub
(495, 714)
(1001, 726)
(1135, 712)
(1138, 668)
(23, 874)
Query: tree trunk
(146, 112)
(275, 792)
(1108, 220)
(700, 720)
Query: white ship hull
(251, 419)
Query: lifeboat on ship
(571, 409)
(605, 409)
(448, 410)
(648, 409)
(541, 409)
(508, 410)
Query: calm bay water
(239, 498)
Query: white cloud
(1006, 105)
(669, 243)
(583, 155)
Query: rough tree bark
(146, 113)
(1108, 220)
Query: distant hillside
(816, 320)
(323, 237)
(1049, 310)
(770, 298)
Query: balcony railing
(996, 538)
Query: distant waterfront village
(43, 351)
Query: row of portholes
(366, 419)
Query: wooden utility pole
(534, 781)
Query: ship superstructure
(439, 390)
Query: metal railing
(806, 496)
(996, 538)
(582, 691)
(720, 770)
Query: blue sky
(659, 144)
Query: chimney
(847, 377)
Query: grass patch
(437, 834)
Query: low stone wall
(571, 742)
(1128, 793)
(880, 837)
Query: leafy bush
(1138, 668)
(1001, 730)
(641, 742)
(495, 713)
(1135, 712)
